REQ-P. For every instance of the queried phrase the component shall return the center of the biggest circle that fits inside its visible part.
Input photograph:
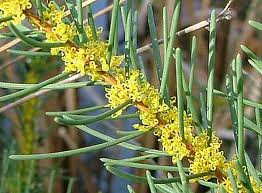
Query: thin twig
(9, 45)
(225, 14)
(67, 138)
(85, 3)
(107, 9)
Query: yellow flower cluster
(170, 137)
(90, 60)
(207, 157)
(241, 188)
(139, 92)
(226, 183)
(87, 60)
(154, 114)
(14, 9)
(61, 32)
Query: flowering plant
(183, 136)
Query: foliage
(189, 141)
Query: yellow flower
(87, 61)
(172, 142)
(116, 96)
(123, 91)
(90, 59)
(61, 32)
(256, 187)
(53, 15)
(170, 136)
(89, 33)
(228, 187)
(200, 142)
(138, 91)
(15, 9)
(241, 188)
(207, 157)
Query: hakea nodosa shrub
(203, 154)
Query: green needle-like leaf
(183, 177)
(150, 182)
(211, 73)
(165, 32)
(251, 169)
(245, 101)
(174, 184)
(244, 178)
(240, 112)
(259, 124)
(81, 30)
(133, 56)
(29, 53)
(252, 126)
(155, 44)
(124, 144)
(80, 117)
(51, 181)
(32, 42)
(255, 62)
(33, 88)
(257, 65)
(76, 112)
(76, 151)
(39, 8)
(165, 188)
(203, 110)
(57, 86)
(128, 34)
(231, 101)
(124, 16)
(141, 158)
(130, 189)
(92, 119)
(173, 30)
(135, 30)
(190, 104)
(232, 180)
(193, 63)
(28, 33)
(113, 28)
(77, 16)
(180, 94)
(91, 21)
(208, 184)
(110, 162)
(70, 185)
(139, 179)
(5, 19)
(256, 25)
